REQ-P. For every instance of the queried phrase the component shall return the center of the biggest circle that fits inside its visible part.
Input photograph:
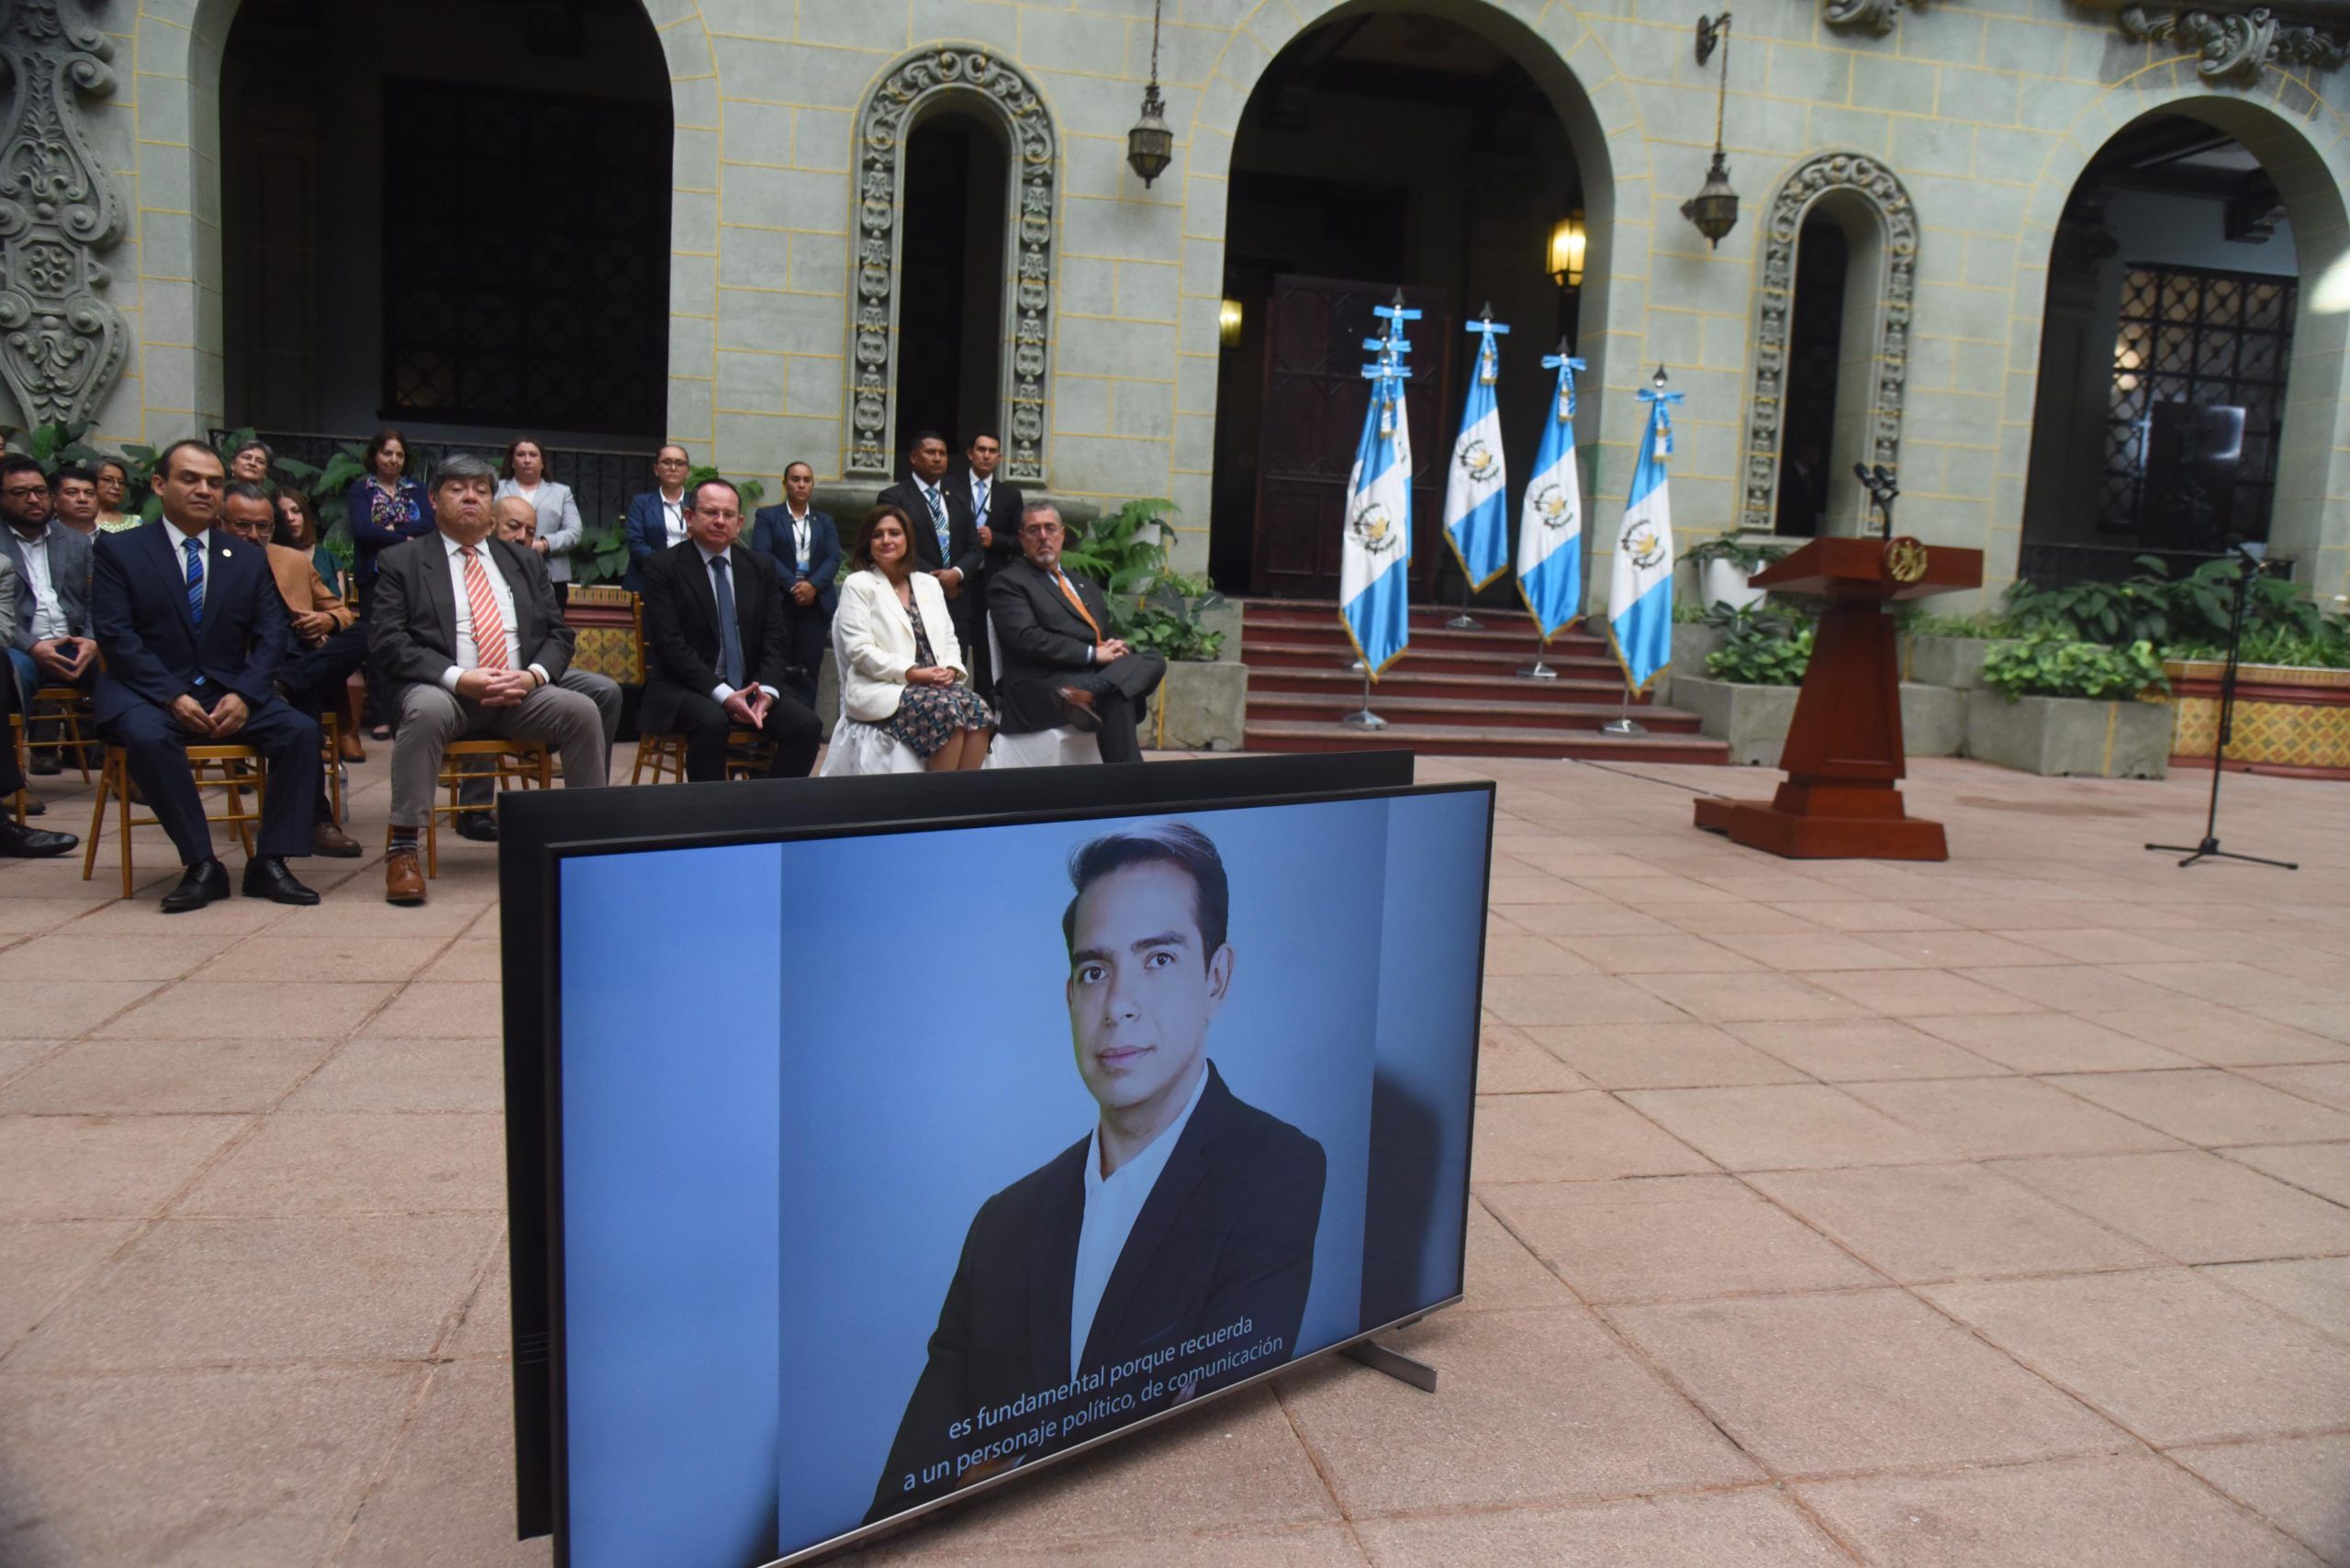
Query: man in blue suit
(806, 547)
(192, 628)
(656, 519)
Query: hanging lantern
(1227, 323)
(1714, 209)
(1567, 241)
(1151, 145)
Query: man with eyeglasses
(52, 647)
(1061, 663)
(656, 519)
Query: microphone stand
(2248, 567)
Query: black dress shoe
(480, 826)
(267, 877)
(199, 886)
(31, 842)
(45, 763)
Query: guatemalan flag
(1374, 581)
(1640, 595)
(1476, 505)
(1550, 524)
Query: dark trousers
(1122, 691)
(792, 726)
(11, 777)
(811, 634)
(314, 679)
(157, 748)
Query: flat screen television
(880, 1162)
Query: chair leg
(122, 795)
(97, 820)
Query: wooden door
(1314, 399)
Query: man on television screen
(1165, 1254)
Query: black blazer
(963, 551)
(681, 627)
(412, 618)
(1227, 1233)
(771, 535)
(154, 650)
(1040, 641)
(1004, 501)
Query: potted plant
(1202, 703)
(2056, 705)
(1747, 698)
(2292, 676)
(1947, 650)
(1723, 564)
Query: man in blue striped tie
(191, 627)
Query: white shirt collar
(708, 556)
(1151, 1159)
(450, 543)
(179, 539)
(1112, 1204)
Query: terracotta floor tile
(2315, 1289)
(1587, 1137)
(1652, 894)
(102, 1167)
(2145, 1514)
(1534, 1407)
(483, 1328)
(2085, 988)
(46, 1258)
(1750, 1528)
(341, 955)
(1861, 1050)
(2204, 1105)
(1861, 1380)
(1509, 1063)
(69, 955)
(2328, 1083)
(360, 911)
(2224, 1037)
(236, 1010)
(2230, 983)
(2105, 944)
(59, 1009)
(2172, 1356)
(371, 1074)
(447, 1493)
(2294, 1482)
(347, 1163)
(101, 1076)
(2193, 1207)
(468, 1010)
(1655, 955)
(1959, 949)
(1596, 917)
(1719, 920)
(197, 1469)
(1872, 915)
(1990, 1117)
(1731, 998)
(2320, 1168)
(1502, 1275)
(1573, 999)
(213, 1292)
(1291, 1546)
(1524, 954)
(1782, 1127)
(20, 1057)
(138, 916)
(1659, 1056)
(1943, 1222)
(1923, 993)
(1672, 1239)
(2050, 1042)
(1793, 952)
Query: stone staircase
(1452, 693)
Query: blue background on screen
(924, 1062)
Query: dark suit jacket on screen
(681, 632)
(1227, 1232)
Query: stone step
(1404, 709)
(1446, 740)
(1336, 653)
(1321, 625)
(1470, 685)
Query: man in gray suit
(52, 646)
(465, 631)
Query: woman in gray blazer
(560, 527)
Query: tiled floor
(1995, 1213)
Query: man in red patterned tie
(467, 630)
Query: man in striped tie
(467, 630)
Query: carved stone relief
(978, 75)
(1895, 290)
(1862, 15)
(61, 344)
(2235, 45)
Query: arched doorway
(456, 240)
(2167, 353)
(950, 316)
(1433, 149)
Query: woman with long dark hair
(384, 507)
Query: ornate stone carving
(974, 74)
(61, 344)
(1869, 15)
(2235, 45)
(1898, 220)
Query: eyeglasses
(20, 491)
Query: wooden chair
(16, 739)
(232, 761)
(67, 707)
(330, 758)
(662, 757)
(525, 765)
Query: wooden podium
(1844, 758)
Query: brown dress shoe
(403, 876)
(326, 838)
(1077, 707)
(354, 748)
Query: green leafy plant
(2050, 665)
(1981, 626)
(329, 486)
(2137, 611)
(1759, 658)
(1766, 620)
(1125, 551)
(602, 554)
(2202, 604)
(55, 445)
(2327, 648)
(1747, 557)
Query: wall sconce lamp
(1151, 145)
(1714, 209)
(1567, 241)
(1227, 323)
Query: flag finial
(1658, 380)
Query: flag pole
(1624, 723)
(1386, 374)
(1538, 670)
(1363, 718)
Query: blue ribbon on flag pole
(1375, 557)
(1550, 532)
(1476, 498)
(1639, 600)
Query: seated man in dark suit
(946, 540)
(656, 519)
(1059, 664)
(18, 842)
(192, 629)
(434, 596)
(804, 542)
(1183, 1213)
(715, 639)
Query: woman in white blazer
(902, 669)
(560, 527)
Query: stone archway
(1861, 185)
(931, 76)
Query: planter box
(1933, 721)
(2075, 737)
(1947, 661)
(1753, 719)
(2289, 720)
(1724, 582)
(1200, 706)
(1223, 618)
